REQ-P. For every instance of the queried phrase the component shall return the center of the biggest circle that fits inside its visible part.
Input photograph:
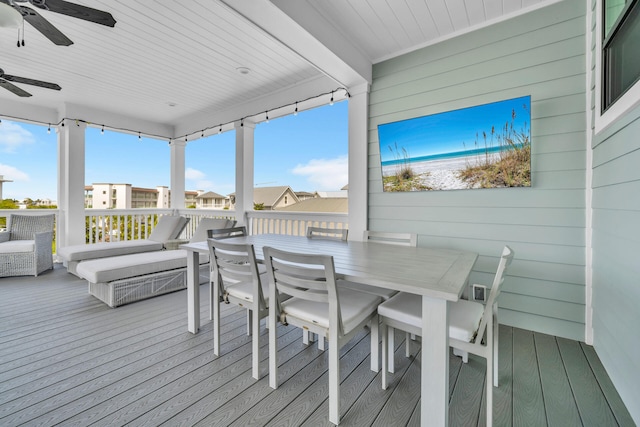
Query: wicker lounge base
(125, 279)
(125, 291)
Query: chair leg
(255, 344)
(385, 355)
(495, 352)
(305, 337)
(320, 342)
(273, 350)
(407, 345)
(489, 399)
(390, 349)
(375, 345)
(215, 316)
(334, 380)
(249, 322)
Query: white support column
(358, 160)
(177, 173)
(244, 169)
(71, 166)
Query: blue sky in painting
(451, 131)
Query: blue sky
(307, 152)
(450, 131)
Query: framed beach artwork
(485, 146)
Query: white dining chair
(237, 280)
(468, 322)
(220, 234)
(327, 233)
(317, 305)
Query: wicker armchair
(25, 249)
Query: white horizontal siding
(541, 54)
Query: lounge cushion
(14, 246)
(121, 267)
(168, 227)
(108, 249)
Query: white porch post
(177, 173)
(358, 160)
(71, 165)
(244, 169)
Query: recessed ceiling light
(243, 70)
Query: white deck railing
(113, 225)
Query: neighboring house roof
(269, 196)
(346, 187)
(211, 195)
(305, 194)
(327, 204)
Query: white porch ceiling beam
(307, 33)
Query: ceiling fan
(14, 7)
(5, 80)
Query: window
(621, 44)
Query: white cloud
(325, 174)
(193, 174)
(12, 136)
(9, 172)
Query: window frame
(631, 97)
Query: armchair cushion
(4, 236)
(15, 246)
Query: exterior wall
(287, 199)
(616, 245)
(616, 255)
(541, 54)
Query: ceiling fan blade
(32, 82)
(13, 88)
(76, 11)
(45, 27)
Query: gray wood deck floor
(68, 359)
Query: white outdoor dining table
(438, 275)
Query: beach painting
(485, 146)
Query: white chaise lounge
(168, 228)
(124, 279)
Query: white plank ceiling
(171, 67)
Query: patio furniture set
(296, 283)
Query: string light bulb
(139, 137)
(220, 130)
(266, 114)
(102, 131)
(295, 112)
(49, 129)
(331, 102)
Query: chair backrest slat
(226, 233)
(400, 239)
(327, 233)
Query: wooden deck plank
(592, 405)
(503, 394)
(528, 403)
(65, 357)
(558, 398)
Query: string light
(61, 123)
(139, 137)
